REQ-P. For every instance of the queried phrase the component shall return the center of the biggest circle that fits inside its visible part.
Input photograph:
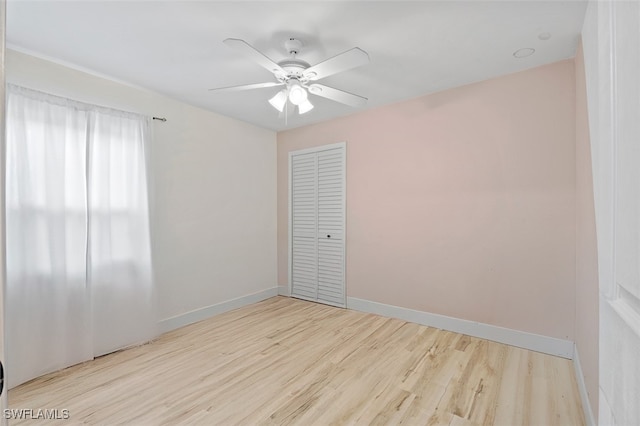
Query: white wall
(611, 38)
(213, 195)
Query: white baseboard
(283, 290)
(209, 311)
(521, 339)
(582, 387)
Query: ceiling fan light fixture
(297, 93)
(279, 100)
(305, 106)
(298, 77)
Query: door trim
(319, 148)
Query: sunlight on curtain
(120, 256)
(48, 322)
(79, 280)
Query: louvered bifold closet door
(304, 223)
(331, 226)
(317, 223)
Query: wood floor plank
(285, 361)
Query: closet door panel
(331, 226)
(317, 225)
(304, 253)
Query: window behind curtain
(119, 248)
(78, 247)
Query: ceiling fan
(298, 77)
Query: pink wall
(586, 336)
(462, 202)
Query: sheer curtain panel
(48, 323)
(79, 281)
(120, 256)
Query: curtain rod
(160, 118)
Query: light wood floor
(286, 361)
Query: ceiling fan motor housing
(294, 67)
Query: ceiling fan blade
(246, 87)
(254, 54)
(338, 95)
(344, 61)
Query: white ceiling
(175, 47)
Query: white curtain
(79, 278)
(48, 323)
(119, 255)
